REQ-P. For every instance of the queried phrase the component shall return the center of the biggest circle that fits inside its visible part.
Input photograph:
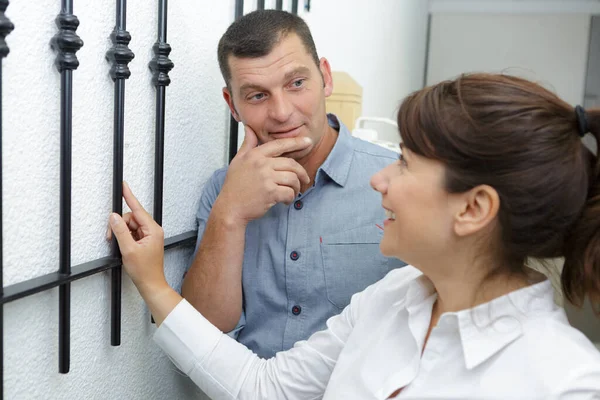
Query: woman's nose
(379, 182)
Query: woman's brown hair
(524, 141)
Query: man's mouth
(286, 133)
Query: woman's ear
(477, 210)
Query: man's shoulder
(218, 177)
(214, 184)
(373, 151)
(360, 146)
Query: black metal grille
(66, 43)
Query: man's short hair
(257, 33)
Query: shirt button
(294, 255)
(296, 310)
(298, 205)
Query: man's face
(281, 94)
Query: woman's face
(420, 213)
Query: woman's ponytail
(581, 273)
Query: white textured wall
(551, 49)
(195, 145)
(381, 44)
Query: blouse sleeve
(225, 369)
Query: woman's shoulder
(554, 331)
(392, 287)
(398, 279)
(564, 356)
(401, 276)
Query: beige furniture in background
(346, 99)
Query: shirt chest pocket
(351, 262)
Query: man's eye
(258, 96)
(298, 83)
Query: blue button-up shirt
(303, 262)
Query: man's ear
(477, 210)
(327, 77)
(229, 100)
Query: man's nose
(281, 108)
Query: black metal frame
(279, 5)
(66, 43)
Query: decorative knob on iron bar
(6, 27)
(66, 42)
(161, 64)
(120, 55)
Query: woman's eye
(402, 160)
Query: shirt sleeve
(225, 369)
(209, 195)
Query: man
(288, 232)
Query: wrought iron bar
(54, 279)
(120, 55)
(66, 43)
(160, 66)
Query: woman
(493, 171)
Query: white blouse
(518, 346)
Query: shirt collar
(488, 328)
(418, 291)
(338, 162)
